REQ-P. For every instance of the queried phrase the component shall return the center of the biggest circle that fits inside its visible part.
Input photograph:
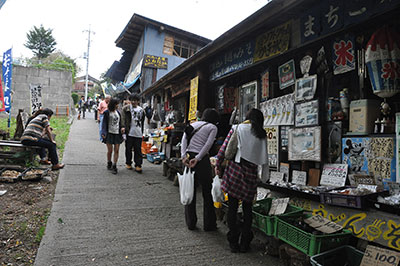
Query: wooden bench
(12, 151)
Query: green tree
(40, 41)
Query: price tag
(299, 177)
(375, 256)
(276, 177)
(371, 188)
(278, 206)
(262, 193)
(322, 224)
(334, 175)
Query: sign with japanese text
(273, 145)
(278, 206)
(299, 177)
(343, 55)
(36, 97)
(332, 16)
(273, 42)
(334, 175)
(276, 177)
(155, 61)
(265, 85)
(232, 60)
(322, 224)
(7, 78)
(310, 25)
(357, 11)
(287, 75)
(376, 256)
(194, 86)
(230, 98)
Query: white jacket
(250, 147)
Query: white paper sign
(334, 175)
(371, 188)
(278, 206)
(375, 256)
(322, 224)
(262, 193)
(276, 177)
(299, 177)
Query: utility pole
(87, 63)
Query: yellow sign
(194, 86)
(273, 42)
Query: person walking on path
(132, 125)
(195, 155)
(112, 134)
(82, 107)
(240, 176)
(37, 125)
(101, 109)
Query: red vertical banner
(265, 85)
(2, 106)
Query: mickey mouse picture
(353, 152)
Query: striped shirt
(35, 128)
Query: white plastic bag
(216, 191)
(186, 186)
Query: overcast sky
(70, 18)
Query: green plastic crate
(308, 243)
(266, 223)
(342, 256)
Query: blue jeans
(101, 116)
(44, 144)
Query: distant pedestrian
(195, 155)
(240, 176)
(102, 107)
(37, 125)
(132, 125)
(112, 134)
(82, 107)
(96, 105)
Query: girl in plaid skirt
(240, 176)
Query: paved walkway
(127, 219)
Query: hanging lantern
(383, 62)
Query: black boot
(114, 169)
(245, 241)
(109, 165)
(233, 239)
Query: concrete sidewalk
(127, 219)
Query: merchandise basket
(345, 255)
(308, 243)
(266, 223)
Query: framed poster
(305, 144)
(305, 88)
(248, 98)
(306, 114)
(273, 146)
(287, 74)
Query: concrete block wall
(56, 88)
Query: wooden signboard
(154, 61)
(375, 256)
(313, 177)
(273, 42)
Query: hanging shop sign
(2, 107)
(287, 75)
(265, 85)
(36, 97)
(273, 42)
(194, 86)
(232, 60)
(154, 61)
(343, 55)
(310, 25)
(383, 62)
(332, 17)
(371, 156)
(273, 145)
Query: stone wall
(56, 88)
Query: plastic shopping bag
(216, 191)
(186, 186)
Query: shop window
(178, 47)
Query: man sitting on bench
(32, 136)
